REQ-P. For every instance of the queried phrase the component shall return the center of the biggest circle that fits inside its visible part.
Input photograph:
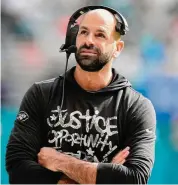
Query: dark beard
(92, 63)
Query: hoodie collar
(118, 82)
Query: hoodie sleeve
(140, 131)
(25, 142)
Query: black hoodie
(92, 126)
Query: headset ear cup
(74, 32)
(123, 30)
(70, 37)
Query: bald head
(100, 17)
(101, 14)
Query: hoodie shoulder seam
(135, 91)
(46, 81)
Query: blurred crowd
(33, 31)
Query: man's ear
(119, 47)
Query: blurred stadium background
(32, 32)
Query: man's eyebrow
(101, 30)
(98, 30)
(84, 28)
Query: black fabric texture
(92, 126)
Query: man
(80, 142)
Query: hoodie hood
(118, 82)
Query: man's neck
(93, 81)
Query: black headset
(73, 27)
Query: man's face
(96, 41)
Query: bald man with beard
(107, 131)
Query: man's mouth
(88, 52)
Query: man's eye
(101, 35)
(83, 32)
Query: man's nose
(89, 40)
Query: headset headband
(72, 28)
(85, 9)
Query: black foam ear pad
(71, 35)
(120, 28)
